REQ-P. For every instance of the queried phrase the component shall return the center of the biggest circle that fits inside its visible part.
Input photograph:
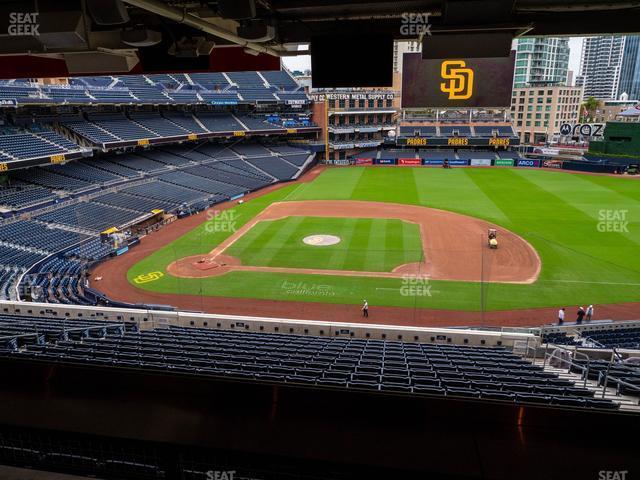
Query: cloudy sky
(303, 62)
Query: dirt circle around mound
(454, 245)
(321, 240)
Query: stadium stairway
(627, 403)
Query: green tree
(588, 109)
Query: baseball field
(413, 237)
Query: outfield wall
(150, 319)
(574, 165)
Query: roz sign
(582, 129)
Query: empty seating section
(26, 233)
(185, 96)
(167, 156)
(448, 130)
(53, 180)
(167, 192)
(210, 81)
(437, 154)
(159, 125)
(133, 202)
(467, 154)
(258, 123)
(274, 166)
(206, 185)
(246, 79)
(115, 168)
(89, 216)
(219, 98)
(250, 150)
(298, 160)
(221, 122)
(112, 95)
(175, 179)
(410, 130)
(121, 127)
(137, 162)
(489, 373)
(58, 139)
(186, 121)
(280, 79)
(508, 154)
(83, 171)
(19, 258)
(242, 167)
(215, 172)
(59, 280)
(616, 338)
(256, 95)
(24, 196)
(27, 145)
(92, 250)
(219, 152)
(42, 330)
(91, 131)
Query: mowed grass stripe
(455, 191)
(395, 185)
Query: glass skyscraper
(630, 70)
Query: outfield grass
(367, 244)
(564, 216)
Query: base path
(454, 246)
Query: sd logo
(148, 277)
(460, 79)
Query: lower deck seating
(485, 373)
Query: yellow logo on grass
(460, 84)
(148, 277)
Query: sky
(303, 62)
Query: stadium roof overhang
(93, 36)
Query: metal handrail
(575, 352)
(608, 377)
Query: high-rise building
(630, 69)
(402, 47)
(541, 61)
(600, 65)
(538, 112)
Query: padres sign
(460, 79)
(148, 277)
(456, 82)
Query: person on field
(561, 316)
(589, 314)
(580, 315)
(365, 309)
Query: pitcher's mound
(321, 240)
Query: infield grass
(366, 244)
(585, 228)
